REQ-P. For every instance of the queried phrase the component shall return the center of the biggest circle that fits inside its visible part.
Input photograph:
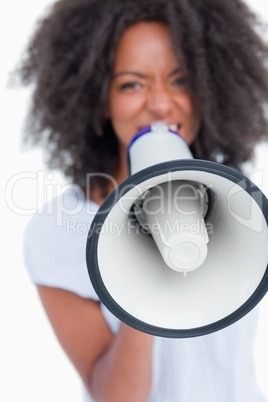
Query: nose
(159, 102)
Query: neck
(120, 174)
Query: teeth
(173, 127)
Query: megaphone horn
(191, 254)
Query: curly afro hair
(70, 61)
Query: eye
(180, 81)
(130, 85)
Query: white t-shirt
(212, 368)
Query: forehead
(145, 42)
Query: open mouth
(176, 127)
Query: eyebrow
(140, 75)
(177, 70)
(130, 73)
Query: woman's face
(148, 85)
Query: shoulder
(55, 243)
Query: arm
(113, 368)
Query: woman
(102, 71)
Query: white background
(33, 367)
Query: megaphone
(180, 248)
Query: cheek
(123, 113)
(191, 118)
(190, 110)
(185, 104)
(123, 107)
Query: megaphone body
(180, 248)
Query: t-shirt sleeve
(54, 244)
